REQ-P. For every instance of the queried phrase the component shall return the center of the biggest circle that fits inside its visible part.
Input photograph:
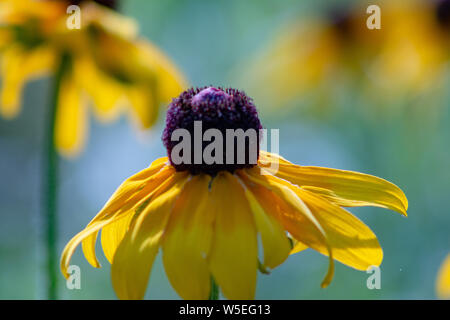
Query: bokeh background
(401, 136)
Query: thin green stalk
(214, 293)
(50, 188)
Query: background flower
(105, 61)
(332, 50)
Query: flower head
(105, 63)
(217, 109)
(207, 220)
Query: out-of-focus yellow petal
(128, 198)
(106, 93)
(170, 81)
(5, 36)
(277, 198)
(71, 118)
(109, 20)
(143, 106)
(233, 258)
(275, 242)
(443, 280)
(20, 12)
(352, 242)
(187, 241)
(18, 66)
(302, 57)
(344, 188)
(134, 257)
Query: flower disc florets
(443, 13)
(225, 110)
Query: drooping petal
(275, 242)
(70, 247)
(352, 242)
(443, 280)
(278, 199)
(187, 241)
(233, 258)
(134, 257)
(112, 235)
(19, 66)
(130, 196)
(344, 188)
(88, 236)
(71, 118)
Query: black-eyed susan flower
(207, 216)
(443, 279)
(104, 63)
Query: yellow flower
(105, 62)
(207, 217)
(443, 280)
(409, 61)
(320, 53)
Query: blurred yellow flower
(207, 217)
(316, 53)
(443, 280)
(104, 62)
(412, 49)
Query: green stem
(214, 293)
(50, 188)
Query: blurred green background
(406, 142)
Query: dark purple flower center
(443, 13)
(113, 4)
(225, 110)
(340, 18)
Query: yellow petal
(134, 193)
(112, 235)
(105, 91)
(75, 241)
(277, 197)
(71, 118)
(144, 107)
(19, 66)
(134, 257)
(344, 188)
(275, 242)
(109, 20)
(443, 280)
(352, 242)
(106, 216)
(170, 81)
(233, 259)
(187, 241)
